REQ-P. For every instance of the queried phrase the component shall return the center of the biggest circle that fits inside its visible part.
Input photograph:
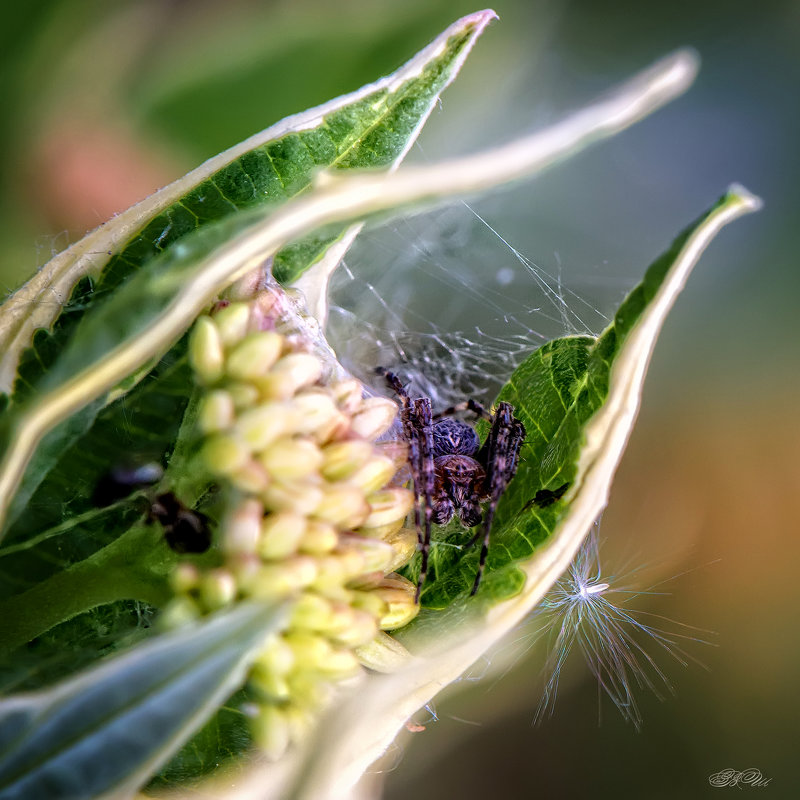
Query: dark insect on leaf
(186, 530)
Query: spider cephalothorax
(453, 474)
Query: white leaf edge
(37, 303)
(341, 198)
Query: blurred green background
(106, 101)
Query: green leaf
(108, 729)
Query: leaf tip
(749, 201)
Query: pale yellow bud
(404, 545)
(310, 649)
(311, 612)
(347, 395)
(285, 578)
(271, 731)
(242, 528)
(224, 453)
(216, 411)
(369, 601)
(289, 458)
(217, 588)
(351, 627)
(376, 417)
(314, 412)
(300, 498)
(290, 374)
(388, 505)
(180, 611)
(233, 322)
(205, 351)
(271, 686)
(281, 534)
(342, 459)
(276, 656)
(398, 593)
(254, 356)
(244, 395)
(319, 538)
(396, 450)
(340, 663)
(185, 577)
(377, 554)
(259, 427)
(377, 472)
(342, 505)
(250, 477)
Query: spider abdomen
(452, 437)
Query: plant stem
(134, 567)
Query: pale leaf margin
(360, 729)
(340, 198)
(37, 303)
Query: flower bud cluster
(313, 518)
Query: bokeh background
(105, 102)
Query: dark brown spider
(452, 474)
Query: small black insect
(546, 497)
(185, 530)
(452, 474)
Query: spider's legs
(501, 456)
(417, 419)
(468, 405)
(427, 478)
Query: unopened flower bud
(351, 627)
(300, 498)
(399, 594)
(276, 656)
(217, 588)
(216, 412)
(377, 554)
(311, 612)
(233, 322)
(281, 534)
(314, 413)
(271, 731)
(376, 417)
(290, 374)
(310, 649)
(404, 545)
(290, 458)
(343, 506)
(262, 425)
(377, 472)
(254, 356)
(341, 663)
(224, 453)
(185, 578)
(319, 538)
(387, 506)
(342, 459)
(180, 611)
(242, 529)
(205, 350)
(285, 578)
(348, 395)
(244, 394)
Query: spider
(452, 474)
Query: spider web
(450, 304)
